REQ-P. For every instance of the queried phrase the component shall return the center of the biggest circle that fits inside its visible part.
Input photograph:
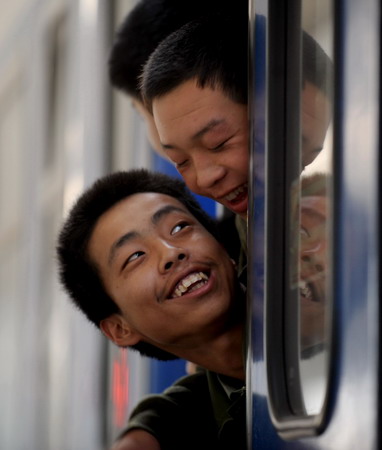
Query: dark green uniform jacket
(200, 411)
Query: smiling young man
(139, 257)
(207, 139)
(159, 264)
(196, 85)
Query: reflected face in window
(313, 260)
(315, 119)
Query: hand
(136, 440)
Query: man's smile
(191, 281)
(236, 200)
(312, 289)
(236, 195)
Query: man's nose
(208, 173)
(170, 256)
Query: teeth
(183, 286)
(197, 286)
(305, 290)
(232, 195)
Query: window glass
(310, 210)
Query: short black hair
(77, 273)
(213, 50)
(144, 27)
(317, 67)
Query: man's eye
(221, 145)
(133, 257)
(181, 164)
(179, 227)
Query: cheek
(135, 294)
(244, 165)
(189, 177)
(238, 160)
(229, 268)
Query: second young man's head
(138, 256)
(195, 83)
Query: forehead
(139, 209)
(131, 215)
(189, 102)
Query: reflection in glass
(314, 289)
(313, 265)
(311, 209)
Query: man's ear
(118, 330)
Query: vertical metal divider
(292, 149)
(284, 60)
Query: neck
(223, 354)
(220, 349)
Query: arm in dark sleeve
(180, 417)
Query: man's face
(171, 279)
(206, 135)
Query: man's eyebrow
(209, 126)
(119, 243)
(162, 212)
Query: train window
(299, 205)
